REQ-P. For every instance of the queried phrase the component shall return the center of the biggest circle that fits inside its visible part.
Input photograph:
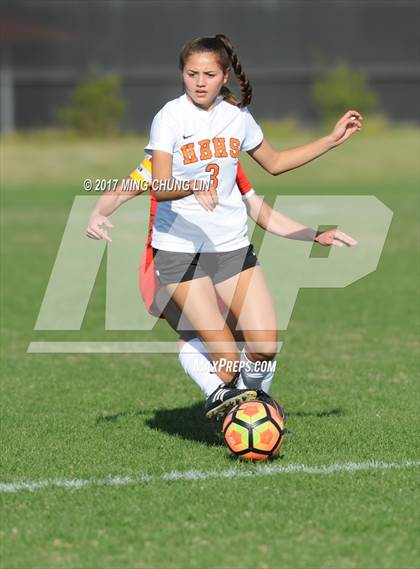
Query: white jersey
(205, 146)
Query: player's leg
(258, 363)
(252, 305)
(198, 302)
(197, 364)
(193, 292)
(249, 299)
(193, 356)
(186, 283)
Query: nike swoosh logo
(184, 137)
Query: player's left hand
(206, 196)
(349, 123)
(335, 237)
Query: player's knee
(264, 356)
(262, 348)
(268, 353)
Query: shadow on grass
(191, 424)
(187, 422)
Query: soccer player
(193, 355)
(200, 246)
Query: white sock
(256, 375)
(197, 364)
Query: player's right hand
(207, 198)
(335, 237)
(94, 229)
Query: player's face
(203, 78)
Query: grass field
(346, 375)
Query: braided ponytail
(244, 84)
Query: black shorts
(172, 267)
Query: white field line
(259, 470)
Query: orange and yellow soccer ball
(254, 430)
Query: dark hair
(227, 57)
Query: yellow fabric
(143, 172)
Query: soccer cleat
(224, 398)
(263, 396)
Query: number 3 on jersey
(214, 169)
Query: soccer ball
(254, 430)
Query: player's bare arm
(104, 207)
(279, 224)
(276, 162)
